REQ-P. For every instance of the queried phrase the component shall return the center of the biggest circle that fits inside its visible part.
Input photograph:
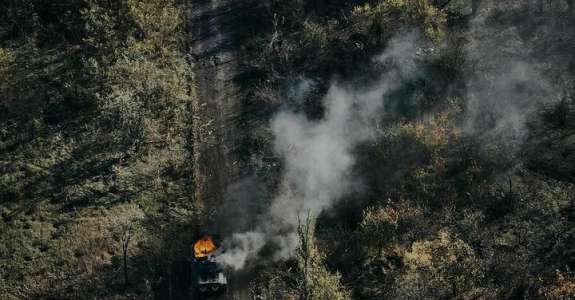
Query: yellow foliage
(562, 288)
(438, 253)
(6, 61)
(380, 226)
(158, 20)
(435, 133)
(389, 214)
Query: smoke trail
(318, 154)
(506, 83)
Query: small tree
(315, 281)
(443, 267)
(124, 228)
(6, 61)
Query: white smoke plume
(507, 82)
(239, 247)
(504, 85)
(318, 154)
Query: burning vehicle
(207, 274)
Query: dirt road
(214, 25)
(214, 56)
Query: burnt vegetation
(467, 192)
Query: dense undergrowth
(456, 203)
(96, 185)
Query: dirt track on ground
(214, 57)
(214, 50)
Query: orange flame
(204, 246)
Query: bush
(382, 19)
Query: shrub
(384, 18)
